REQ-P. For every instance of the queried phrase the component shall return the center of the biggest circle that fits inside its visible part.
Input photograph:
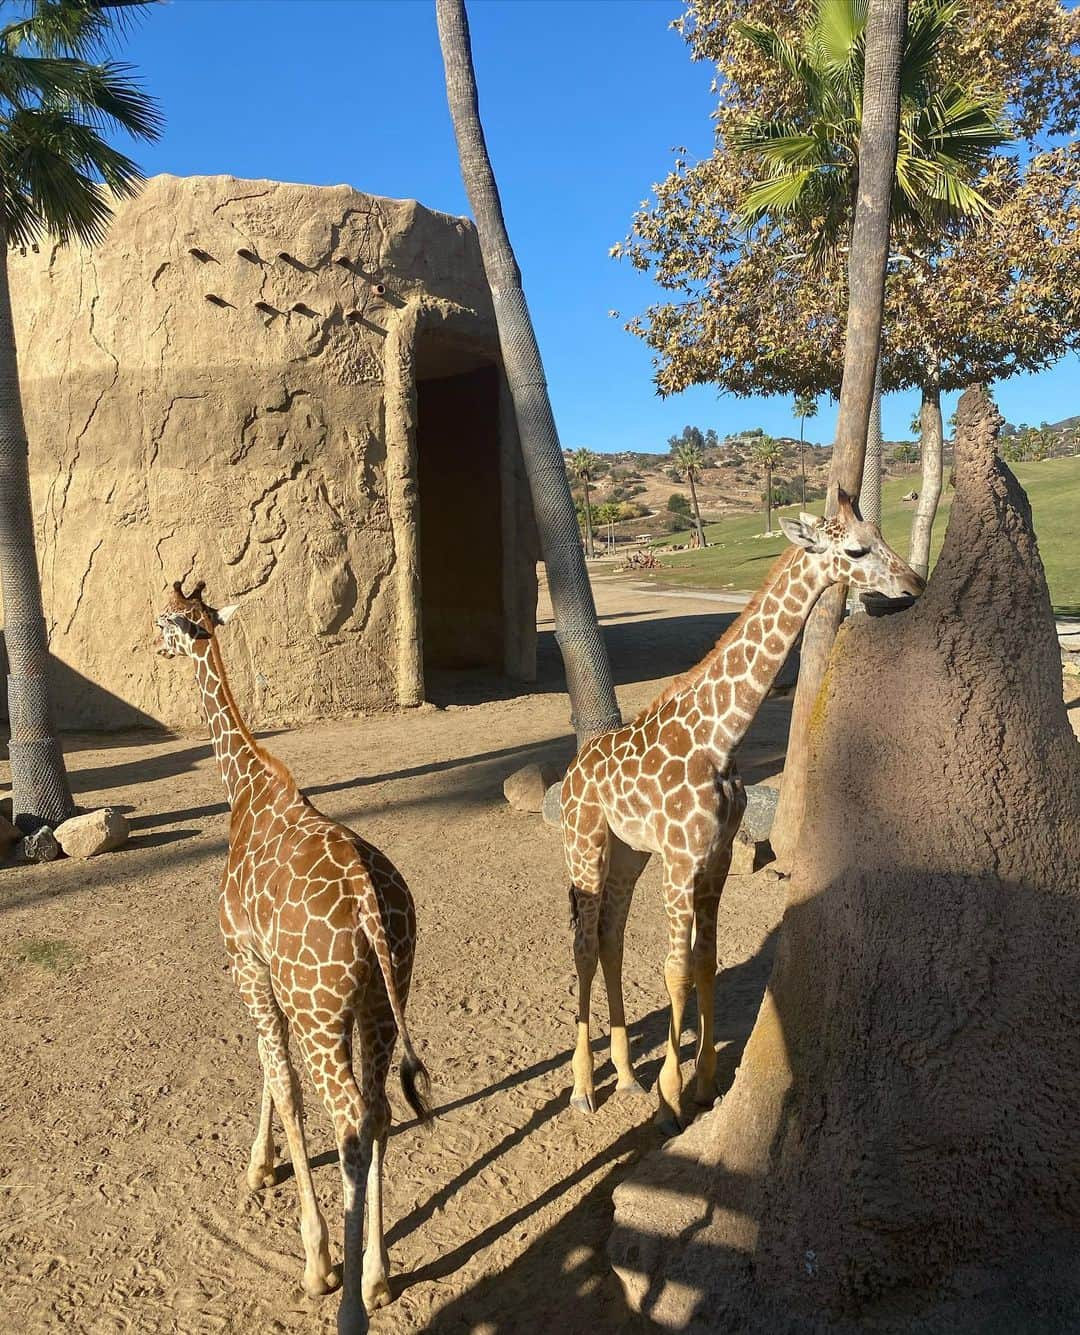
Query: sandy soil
(128, 1074)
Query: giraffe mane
(277, 768)
(691, 678)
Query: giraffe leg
(260, 1171)
(354, 1130)
(253, 979)
(708, 902)
(586, 910)
(679, 902)
(626, 866)
(377, 1046)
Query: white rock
(94, 832)
(525, 788)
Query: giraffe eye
(856, 552)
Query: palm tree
(809, 161)
(583, 466)
(868, 259)
(689, 461)
(59, 97)
(588, 671)
(804, 407)
(767, 453)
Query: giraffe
(667, 783)
(320, 932)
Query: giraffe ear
(803, 532)
(225, 614)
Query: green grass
(740, 559)
(49, 953)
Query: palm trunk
(589, 550)
(697, 512)
(588, 671)
(39, 787)
(870, 492)
(802, 457)
(768, 498)
(931, 445)
(885, 28)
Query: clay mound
(901, 1140)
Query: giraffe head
(187, 619)
(851, 551)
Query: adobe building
(294, 393)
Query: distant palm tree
(689, 461)
(59, 98)
(804, 407)
(588, 671)
(583, 466)
(767, 453)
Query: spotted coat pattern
(667, 784)
(320, 932)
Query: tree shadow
(531, 1293)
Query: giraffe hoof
(258, 1179)
(378, 1295)
(629, 1087)
(667, 1123)
(317, 1286)
(584, 1103)
(706, 1097)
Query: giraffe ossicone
(667, 783)
(320, 931)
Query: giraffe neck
(740, 671)
(239, 758)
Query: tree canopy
(752, 314)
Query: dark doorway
(461, 549)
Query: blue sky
(582, 101)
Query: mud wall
(204, 396)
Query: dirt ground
(129, 1080)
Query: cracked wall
(204, 396)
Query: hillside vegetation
(738, 557)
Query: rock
(9, 834)
(761, 800)
(95, 832)
(267, 449)
(6, 809)
(552, 808)
(748, 854)
(41, 846)
(910, 496)
(526, 787)
(1070, 669)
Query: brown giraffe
(320, 931)
(667, 783)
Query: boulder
(761, 800)
(41, 846)
(748, 854)
(93, 832)
(552, 808)
(525, 788)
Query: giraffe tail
(415, 1081)
(416, 1084)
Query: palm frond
(55, 167)
(109, 98)
(779, 196)
(836, 35)
(928, 25)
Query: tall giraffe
(320, 932)
(667, 783)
